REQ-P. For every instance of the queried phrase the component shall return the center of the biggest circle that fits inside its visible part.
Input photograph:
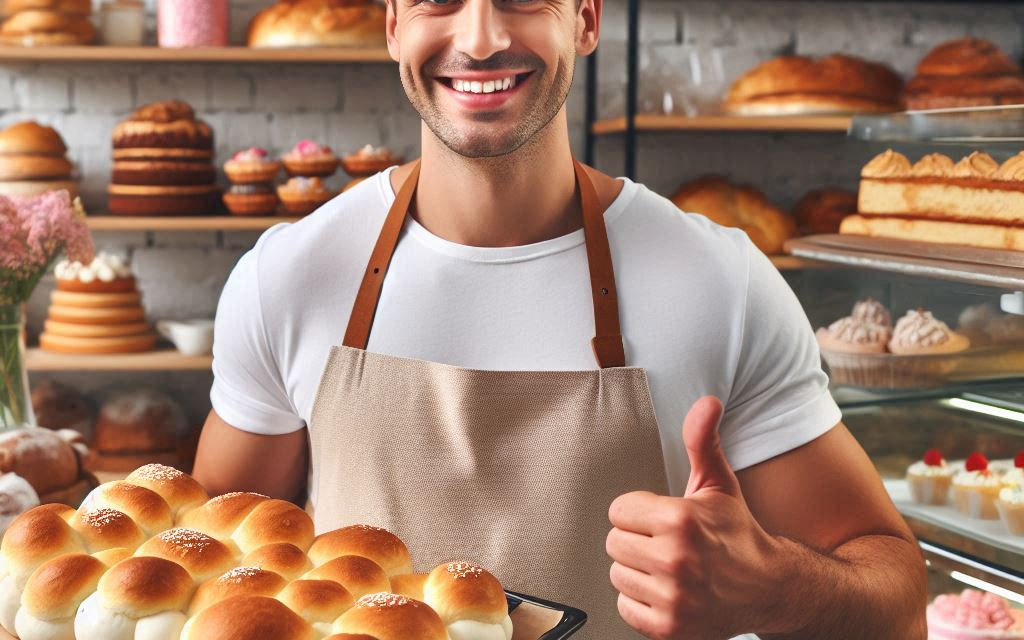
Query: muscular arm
(230, 459)
(851, 567)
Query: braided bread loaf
(152, 557)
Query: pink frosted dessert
(310, 159)
(973, 615)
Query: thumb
(708, 465)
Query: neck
(520, 198)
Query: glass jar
(123, 23)
(192, 23)
(15, 400)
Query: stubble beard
(479, 142)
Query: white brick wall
(350, 105)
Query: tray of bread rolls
(153, 557)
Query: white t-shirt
(702, 310)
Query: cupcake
(310, 159)
(369, 160)
(251, 199)
(852, 348)
(872, 311)
(1011, 508)
(301, 196)
(920, 333)
(1015, 474)
(930, 479)
(251, 166)
(973, 615)
(976, 489)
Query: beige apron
(514, 470)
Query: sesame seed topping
(157, 473)
(188, 539)
(234, 494)
(384, 600)
(239, 574)
(464, 570)
(102, 517)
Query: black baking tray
(572, 619)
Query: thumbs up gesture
(697, 567)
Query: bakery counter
(159, 360)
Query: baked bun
(44, 28)
(282, 558)
(965, 72)
(380, 545)
(248, 617)
(69, 7)
(53, 594)
(31, 138)
(360, 576)
(823, 210)
(146, 507)
(800, 85)
(179, 490)
(274, 521)
(139, 597)
(319, 23)
(102, 529)
(738, 206)
(319, 602)
(409, 585)
(199, 554)
(240, 581)
(387, 616)
(469, 600)
(42, 457)
(220, 516)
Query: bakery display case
(942, 421)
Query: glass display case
(972, 401)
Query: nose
(480, 31)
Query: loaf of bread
(153, 557)
(319, 23)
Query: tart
(976, 489)
(251, 200)
(310, 159)
(301, 195)
(930, 479)
(369, 160)
(251, 166)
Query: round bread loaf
(387, 616)
(199, 554)
(178, 489)
(360, 576)
(967, 57)
(240, 581)
(53, 594)
(149, 511)
(318, 23)
(220, 516)
(40, 456)
(140, 421)
(31, 138)
(248, 617)
(282, 558)
(409, 585)
(274, 521)
(319, 602)
(70, 7)
(102, 529)
(379, 545)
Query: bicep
(230, 459)
(822, 494)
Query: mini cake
(301, 196)
(251, 199)
(310, 159)
(853, 335)
(930, 479)
(163, 163)
(368, 161)
(976, 488)
(251, 166)
(973, 615)
(920, 333)
(96, 309)
(1011, 508)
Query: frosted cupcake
(1015, 475)
(872, 311)
(1011, 508)
(851, 346)
(920, 333)
(930, 479)
(976, 489)
(310, 159)
(973, 615)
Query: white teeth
(490, 86)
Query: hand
(697, 567)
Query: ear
(588, 26)
(391, 29)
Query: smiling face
(487, 75)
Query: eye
(438, 3)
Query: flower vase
(15, 400)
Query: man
(463, 409)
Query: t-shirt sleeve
(779, 398)
(248, 390)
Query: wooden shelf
(184, 223)
(161, 360)
(651, 123)
(986, 267)
(203, 54)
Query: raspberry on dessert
(933, 458)
(1018, 462)
(976, 462)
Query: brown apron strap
(607, 343)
